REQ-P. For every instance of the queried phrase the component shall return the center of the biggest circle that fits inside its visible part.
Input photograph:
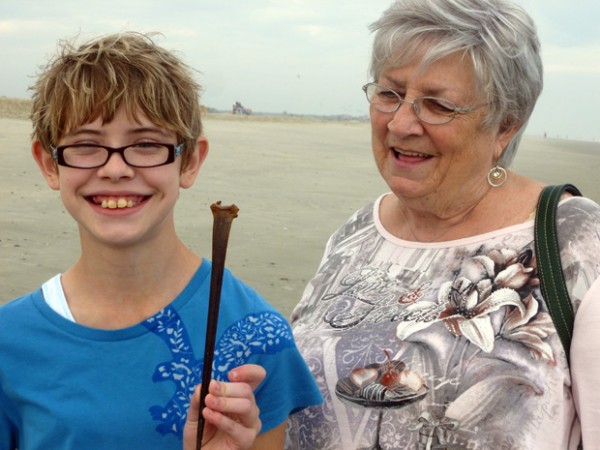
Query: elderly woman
(424, 325)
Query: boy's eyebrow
(142, 130)
(134, 131)
(80, 131)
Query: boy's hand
(231, 414)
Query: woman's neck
(443, 219)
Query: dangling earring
(497, 176)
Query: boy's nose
(115, 167)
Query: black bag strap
(547, 252)
(552, 282)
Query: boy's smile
(113, 202)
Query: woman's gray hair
(499, 37)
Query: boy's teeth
(121, 202)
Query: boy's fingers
(251, 374)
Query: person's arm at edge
(273, 439)
(585, 366)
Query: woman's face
(421, 162)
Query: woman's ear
(190, 171)
(46, 163)
(504, 136)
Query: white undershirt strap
(55, 297)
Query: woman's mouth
(408, 154)
(116, 202)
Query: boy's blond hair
(83, 83)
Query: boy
(108, 354)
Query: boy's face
(116, 204)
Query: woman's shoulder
(578, 218)
(360, 220)
(578, 230)
(578, 206)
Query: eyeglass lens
(138, 155)
(432, 110)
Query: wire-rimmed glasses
(92, 156)
(431, 110)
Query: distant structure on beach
(238, 108)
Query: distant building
(238, 108)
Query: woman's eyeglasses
(431, 110)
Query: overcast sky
(296, 56)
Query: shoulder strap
(552, 282)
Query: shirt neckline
(67, 326)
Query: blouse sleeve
(579, 240)
(585, 366)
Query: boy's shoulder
(19, 311)
(20, 303)
(242, 295)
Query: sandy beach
(295, 181)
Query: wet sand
(295, 181)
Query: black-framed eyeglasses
(92, 156)
(431, 110)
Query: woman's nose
(405, 120)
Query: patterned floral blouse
(449, 345)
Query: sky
(296, 56)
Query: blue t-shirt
(67, 386)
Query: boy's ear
(46, 163)
(197, 156)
